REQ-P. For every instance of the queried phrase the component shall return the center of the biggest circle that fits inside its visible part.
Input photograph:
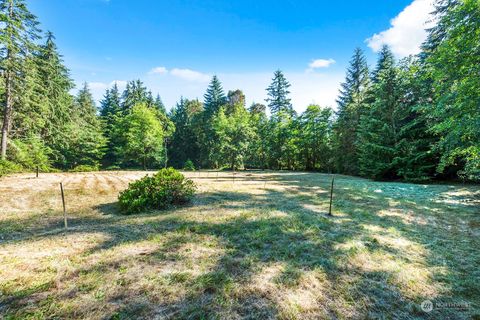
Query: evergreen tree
(55, 92)
(257, 152)
(415, 157)
(379, 129)
(453, 60)
(158, 103)
(135, 93)
(18, 31)
(87, 143)
(278, 100)
(111, 113)
(352, 104)
(214, 98)
(184, 143)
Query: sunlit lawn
(259, 246)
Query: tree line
(414, 119)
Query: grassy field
(258, 247)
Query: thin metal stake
(37, 171)
(64, 209)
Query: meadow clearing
(259, 246)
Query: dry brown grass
(242, 250)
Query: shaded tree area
(415, 119)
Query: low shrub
(113, 168)
(164, 189)
(7, 167)
(84, 168)
(189, 166)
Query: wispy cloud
(190, 75)
(407, 31)
(321, 63)
(158, 70)
(181, 73)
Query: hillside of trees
(415, 119)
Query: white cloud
(407, 31)
(158, 70)
(321, 63)
(98, 88)
(190, 75)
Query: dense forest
(415, 119)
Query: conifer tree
(278, 100)
(158, 103)
(111, 114)
(214, 98)
(18, 31)
(184, 142)
(135, 93)
(87, 145)
(380, 128)
(453, 59)
(352, 104)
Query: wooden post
(37, 172)
(64, 209)
(331, 198)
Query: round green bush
(189, 166)
(165, 189)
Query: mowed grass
(259, 246)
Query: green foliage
(379, 128)
(164, 189)
(352, 102)
(113, 168)
(29, 154)
(84, 168)
(8, 167)
(184, 144)
(18, 32)
(234, 135)
(314, 138)
(143, 132)
(214, 97)
(453, 60)
(189, 166)
(278, 100)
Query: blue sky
(175, 46)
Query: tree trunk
(6, 115)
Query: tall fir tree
(184, 142)
(135, 93)
(87, 145)
(158, 103)
(18, 32)
(352, 104)
(111, 114)
(379, 129)
(278, 95)
(214, 98)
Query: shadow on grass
(301, 239)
